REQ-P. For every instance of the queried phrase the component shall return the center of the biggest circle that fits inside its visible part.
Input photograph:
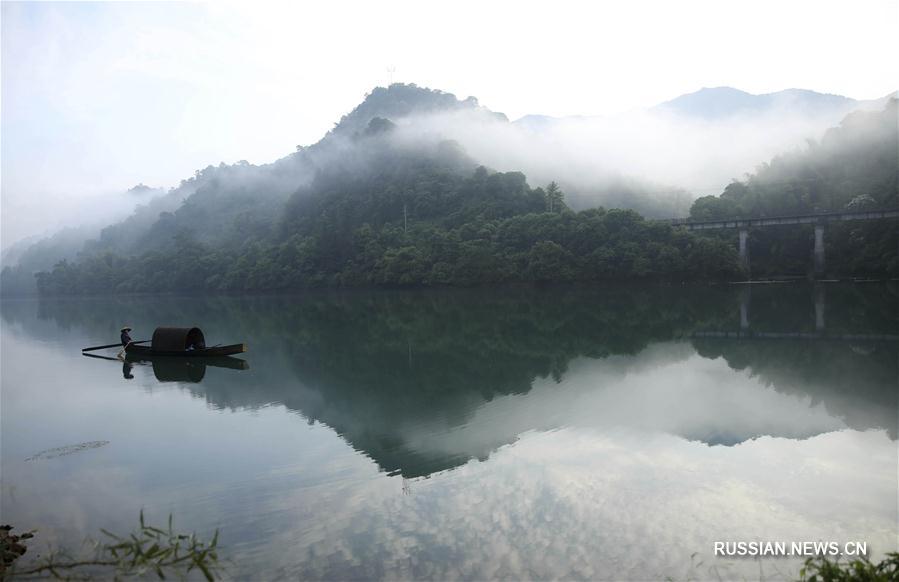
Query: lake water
(570, 433)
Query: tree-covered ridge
(401, 100)
(566, 246)
(855, 166)
(230, 204)
(397, 213)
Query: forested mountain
(854, 167)
(21, 261)
(386, 210)
(385, 199)
(400, 101)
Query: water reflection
(820, 332)
(559, 433)
(174, 369)
(423, 382)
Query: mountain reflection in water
(424, 382)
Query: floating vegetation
(68, 450)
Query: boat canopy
(177, 339)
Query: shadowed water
(527, 433)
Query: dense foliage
(854, 167)
(821, 569)
(589, 245)
(400, 214)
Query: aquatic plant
(147, 551)
(820, 569)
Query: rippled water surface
(550, 433)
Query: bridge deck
(823, 218)
(803, 335)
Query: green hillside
(369, 205)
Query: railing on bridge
(818, 220)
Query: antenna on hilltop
(391, 70)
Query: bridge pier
(745, 301)
(819, 307)
(744, 249)
(819, 249)
(817, 219)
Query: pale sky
(97, 97)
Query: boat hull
(204, 353)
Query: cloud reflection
(577, 504)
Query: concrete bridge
(818, 220)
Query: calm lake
(575, 433)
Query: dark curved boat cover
(177, 339)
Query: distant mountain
(10, 255)
(721, 102)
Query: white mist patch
(657, 150)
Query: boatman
(126, 339)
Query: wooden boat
(182, 342)
(214, 361)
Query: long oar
(119, 360)
(101, 357)
(118, 345)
